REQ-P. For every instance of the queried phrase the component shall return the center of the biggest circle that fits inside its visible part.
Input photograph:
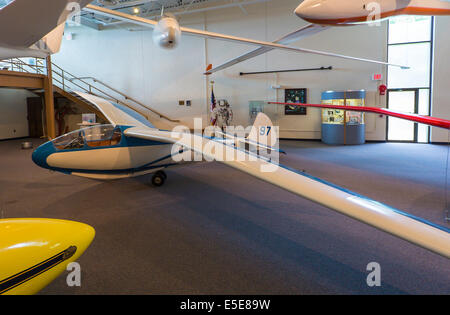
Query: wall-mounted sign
(88, 118)
(295, 96)
(377, 77)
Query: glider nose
(33, 252)
(309, 9)
(41, 154)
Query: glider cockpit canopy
(93, 137)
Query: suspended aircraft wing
(43, 30)
(205, 34)
(303, 32)
(427, 120)
(393, 221)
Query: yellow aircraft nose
(33, 252)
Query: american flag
(213, 106)
(213, 99)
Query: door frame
(416, 110)
(37, 105)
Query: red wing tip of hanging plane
(208, 68)
(427, 120)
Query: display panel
(295, 96)
(336, 116)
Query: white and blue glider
(130, 146)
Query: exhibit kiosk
(341, 126)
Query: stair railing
(18, 65)
(126, 97)
(69, 82)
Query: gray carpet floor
(213, 230)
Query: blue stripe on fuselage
(146, 167)
(116, 172)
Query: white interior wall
(13, 113)
(159, 78)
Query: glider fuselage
(103, 152)
(338, 12)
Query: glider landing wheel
(159, 178)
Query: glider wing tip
(208, 69)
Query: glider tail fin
(263, 132)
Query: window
(409, 29)
(417, 57)
(410, 42)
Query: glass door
(400, 129)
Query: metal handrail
(63, 78)
(111, 97)
(20, 64)
(124, 96)
(63, 83)
(90, 89)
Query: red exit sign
(377, 77)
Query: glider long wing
(303, 32)
(413, 229)
(205, 34)
(427, 120)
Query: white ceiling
(152, 8)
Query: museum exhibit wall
(13, 113)
(127, 59)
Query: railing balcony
(69, 82)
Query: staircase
(30, 75)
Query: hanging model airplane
(131, 146)
(42, 33)
(167, 34)
(348, 12)
(323, 14)
(33, 252)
